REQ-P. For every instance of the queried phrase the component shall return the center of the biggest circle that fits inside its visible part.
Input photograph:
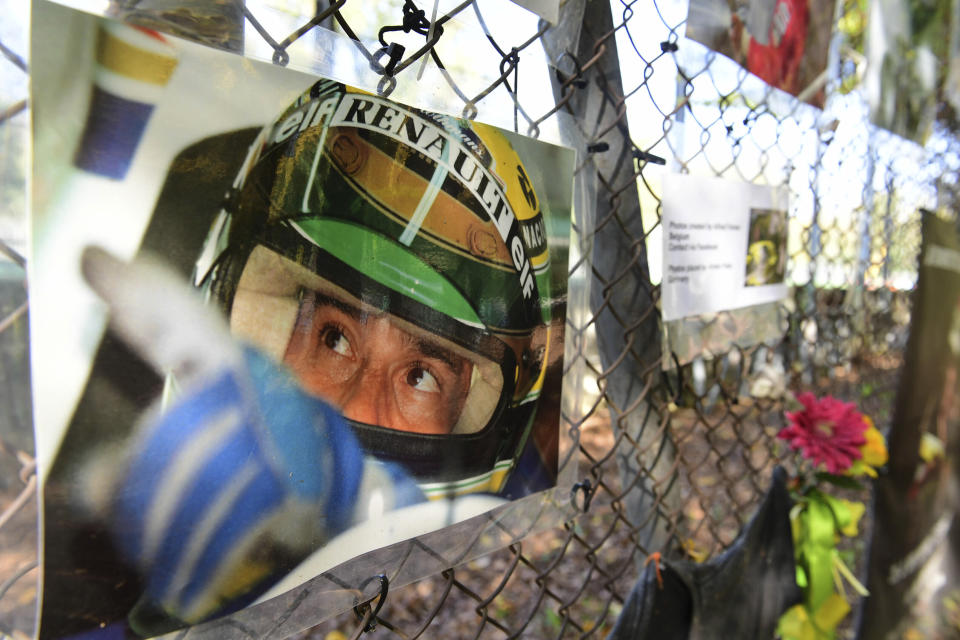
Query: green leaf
(817, 549)
(847, 514)
(857, 510)
(820, 577)
(820, 521)
(841, 567)
(844, 482)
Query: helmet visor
(376, 367)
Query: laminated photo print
(277, 322)
(783, 42)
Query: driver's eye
(335, 340)
(422, 380)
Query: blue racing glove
(244, 475)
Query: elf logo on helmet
(312, 114)
(362, 111)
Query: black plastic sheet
(739, 594)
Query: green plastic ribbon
(816, 549)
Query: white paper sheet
(724, 245)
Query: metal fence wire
(676, 425)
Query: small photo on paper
(766, 247)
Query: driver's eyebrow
(320, 299)
(431, 349)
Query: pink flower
(827, 432)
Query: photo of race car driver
(396, 262)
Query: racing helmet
(353, 202)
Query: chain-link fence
(674, 422)
(18, 520)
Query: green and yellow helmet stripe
(389, 264)
(490, 481)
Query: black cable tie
(668, 47)
(597, 147)
(361, 609)
(562, 78)
(586, 487)
(642, 156)
(394, 52)
(580, 82)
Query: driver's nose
(366, 396)
(365, 399)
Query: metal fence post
(622, 298)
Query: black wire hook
(361, 609)
(578, 80)
(414, 20)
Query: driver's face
(374, 371)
